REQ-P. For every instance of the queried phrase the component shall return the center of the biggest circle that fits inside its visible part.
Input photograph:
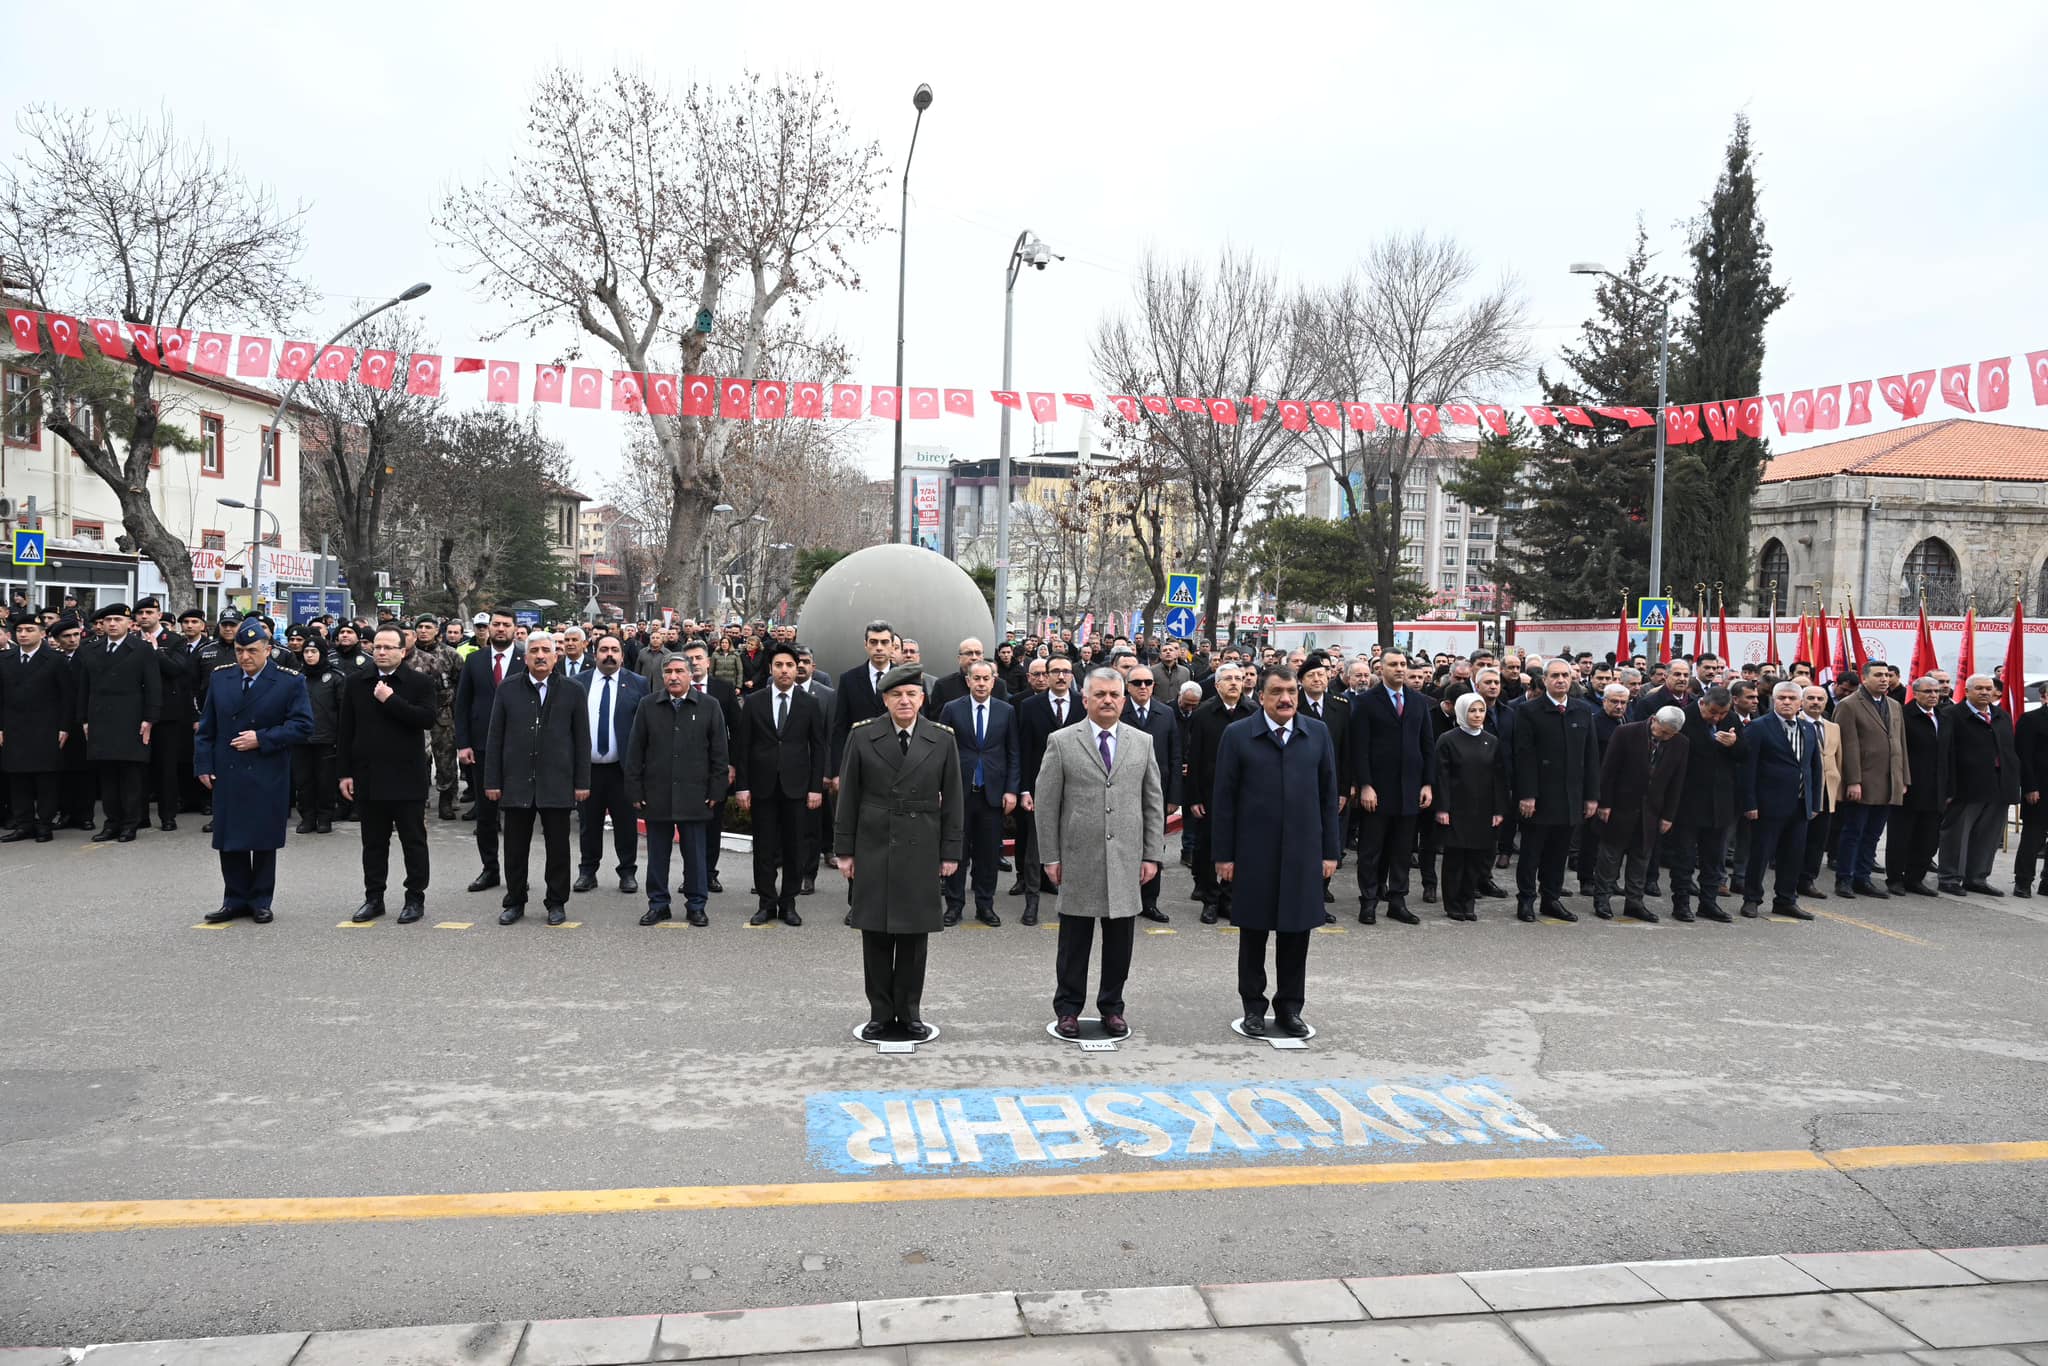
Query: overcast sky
(1900, 154)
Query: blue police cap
(250, 633)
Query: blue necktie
(604, 720)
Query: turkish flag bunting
(1777, 402)
(547, 382)
(1994, 384)
(378, 369)
(1827, 408)
(1043, 409)
(1955, 387)
(1674, 427)
(106, 333)
(1859, 403)
(628, 389)
(1907, 394)
(294, 360)
(1157, 405)
(1191, 405)
(1009, 398)
(1224, 411)
(21, 324)
(735, 399)
(664, 398)
(422, 376)
(807, 400)
(1578, 417)
(1425, 415)
(174, 344)
(336, 363)
(1394, 415)
(1749, 417)
(1460, 414)
(144, 338)
(1495, 417)
(65, 341)
(1360, 417)
(771, 399)
(924, 403)
(1716, 418)
(700, 394)
(845, 400)
(1799, 411)
(960, 402)
(469, 365)
(2037, 371)
(1080, 401)
(501, 385)
(1126, 406)
(252, 357)
(1325, 413)
(1293, 415)
(1690, 423)
(585, 385)
(1258, 408)
(1635, 417)
(1540, 415)
(885, 401)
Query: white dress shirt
(598, 680)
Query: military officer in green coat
(902, 814)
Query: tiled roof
(1955, 448)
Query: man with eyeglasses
(1037, 719)
(1145, 710)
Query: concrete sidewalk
(1963, 1307)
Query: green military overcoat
(900, 816)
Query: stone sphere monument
(921, 593)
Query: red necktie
(497, 669)
(1398, 709)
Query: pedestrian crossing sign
(1653, 614)
(1183, 590)
(28, 547)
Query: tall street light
(277, 437)
(1028, 251)
(923, 101)
(1663, 378)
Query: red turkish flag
(423, 376)
(1827, 408)
(586, 387)
(144, 339)
(1360, 417)
(21, 324)
(252, 357)
(1716, 418)
(924, 403)
(1043, 409)
(1258, 408)
(735, 399)
(1126, 405)
(1460, 414)
(1293, 414)
(807, 400)
(1157, 405)
(1191, 405)
(335, 364)
(1326, 413)
(1495, 417)
(1689, 421)
(1394, 415)
(1955, 387)
(2037, 371)
(960, 402)
(664, 398)
(1777, 402)
(1859, 403)
(1799, 411)
(1749, 417)
(1086, 401)
(174, 344)
(1224, 411)
(501, 385)
(1578, 417)
(294, 360)
(378, 369)
(1674, 426)
(700, 392)
(1994, 384)
(547, 382)
(845, 400)
(885, 401)
(629, 390)
(771, 399)
(1634, 417)
(1540, 415)
(1425, 418)
(1009, 398)
(469, 365)
(1907, 394)
(65, 340)
(106, 334)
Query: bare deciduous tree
(629, 212)
(115, 214)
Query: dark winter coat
(1273, 814)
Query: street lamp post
(1028, 251)
(922, 99)
(1663, 378)
(276, 450)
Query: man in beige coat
(1873, 776)
(1101, 811)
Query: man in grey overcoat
(536, 765)
(1101, 808)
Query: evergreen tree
(527, 567)
(1709, 484)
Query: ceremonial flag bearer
(256, 710)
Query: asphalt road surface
(1576, 1068)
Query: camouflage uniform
(441, 663)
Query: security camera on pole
(1032, 252)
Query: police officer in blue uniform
(255, 711)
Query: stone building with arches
(1956, 509)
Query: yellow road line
(454, 924)
(1876, 929)
(106, 1216)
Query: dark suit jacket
(1035, 725)
(537, 754)
(1637, 797)
(1000, 752)
(1336, 719)
(1928, 780)
(1982, 757)
(1395, 755)
(791, 764)
(628, 688)
(1557, 760)
(1205, 736)
(1274, 815)
(118, 690)
(1713, 772)
(952, 686)
(36, 701)
(382, 744)
(677, 758)
(855, 702)
(2030, 738)
(1164, 728)
(178, 669)
(1772, 783)
(473, 693)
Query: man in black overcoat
(778, 758)
(1393, 762)
(536, 768)
(476, 689)
(1153, 714)
(120, 694)
(1642, 777)
(36, 706)
(387, 712)
(1696, 850)
(1915, 828)
(1205, 735)
(1557, 788)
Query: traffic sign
(1653, 614)
(28, 547)
(1184, 590)
(1180, 622)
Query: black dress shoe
(368, 911)
(1750, 909)
(987, 916)
(585, 882)
(1791, 910)
(655, 915)
(1525, 913)
(127, 835)
(1557, 910)
(2023, 892)
(261, 915)
(108, 835)
(1682, 914)
(558, 915)
(225, 914)
(484, 881)
(1003, 865)
(791, 918)
(1640, 912)
(628, 884)
(1254, 1025)
(168, 825)
(1293, 1026)
(716, 888)
(511, 915)
(875, 1030)
(948, 918)
(470, 814)
(809, 886)
(1067, 1027)
(324, 826)
(1208, 916)
(1428, 895)
(413, 909)
(1017, 888)
(1950, 888)
(761, 917)
(1982, 889)
(1845, 891)
(1030, 916)
(1716, 914)
(697, 917)
(1602, 909)
(1492, 888)
(44, 836)
(1866, 887)
(848, 922)
(1049, 888)
(1399, 912)
(918, 1030)
(1154, 913)
(1809, 889)
(27, 832)
(1920, 888)
(206, 829)
(303, 828)
(1368, 914)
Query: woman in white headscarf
(1471, 799)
